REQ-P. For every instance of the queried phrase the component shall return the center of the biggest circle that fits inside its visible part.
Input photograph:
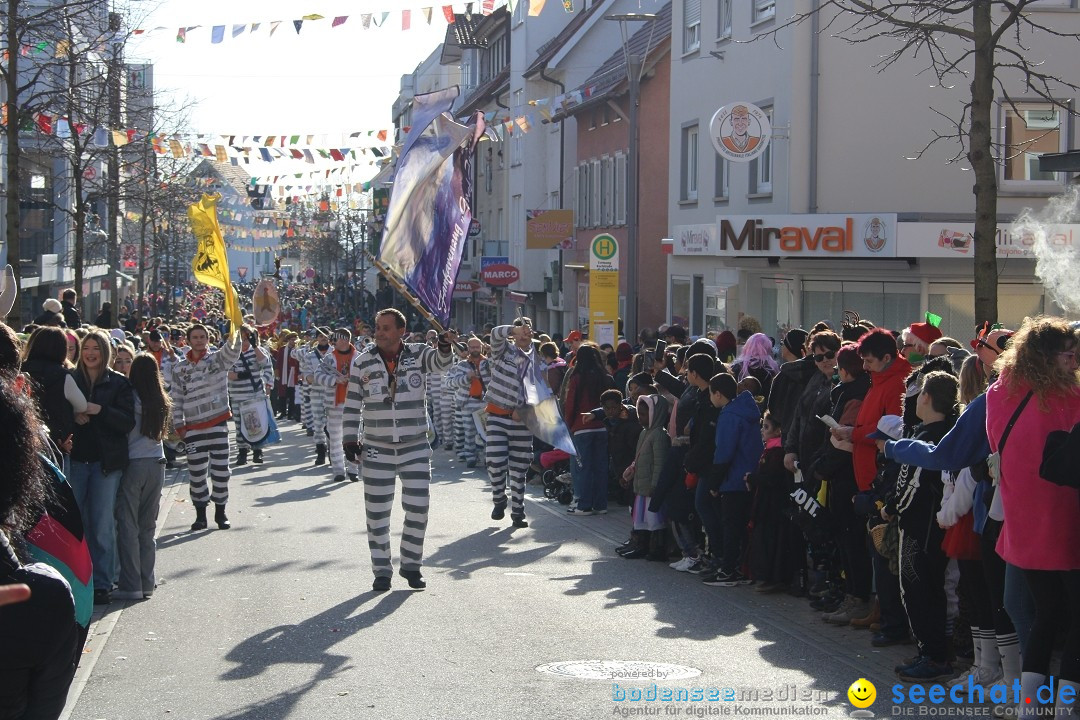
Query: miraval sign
(832, 236)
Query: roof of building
(552, 46)
(236, 179)
(611, 75)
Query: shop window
(1030, 130)
(891, 305)
(680, 301)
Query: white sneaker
(680, 564)
(979, 676)
(691, 563)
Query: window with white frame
(723, 169)
(763, 10)
(762, 166)
(723, 19)
(1030, 130)
(488, 174)
(620, 189)
(594, 193)
(689, 164)
(691, 25)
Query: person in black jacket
(791, 380)
(38, 636)
(99, 454)
(54, 387)
(71, 316)
(104, 318)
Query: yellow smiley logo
(862, 693)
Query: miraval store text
(793, 270)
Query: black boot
(219, 517)
(632, 544)
(200, 518)
(241, 457)
(256, 456)
(640, 549)
(320, 454)
(657, 545)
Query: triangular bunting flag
(487, 7)
(217, 34)
(568, 5)
(448, 13)
(238, 30)
(427, 14)
(536, 7)
(274, 27)
(406, 19)
(313, 16)
(119, 138)
(298, 24)
(340, 20)
(181, 35)
(365, 20)
(380, 21)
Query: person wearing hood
(738, 449)
(50, 315)
(789, 383)
(888, 373)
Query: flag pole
(400, 286)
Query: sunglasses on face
(822, 357)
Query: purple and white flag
(427, 221)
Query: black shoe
(416, 580)
(881, 639)
(310, 433)
(200, 518)
(519, 521)
(381, 584)
(320, 454)
(499, 511)
(638, 552)
(256, 456)
(908, 664)
(102, 596)
(353, 477)
(219, 517)
(339, 478)
(241, 457)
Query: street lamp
(635, 68)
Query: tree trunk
(12, 209)
(980, 153)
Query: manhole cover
(618, 670)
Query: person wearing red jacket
(888, 376)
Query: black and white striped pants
(382, 464)
(208, 447)
(509, 453)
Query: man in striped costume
(200, 401)
(467, 378)
(333, 373)
(384, 411)
(318, 394)
(509, 442)
(250, 378)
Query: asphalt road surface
(276, 618)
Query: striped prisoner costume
(472, 399)
(251, 386)
(444, 411)
(387, 416)
(200, 398)
(332, 366)
(509, 442)
(317, 394)
(304, 387)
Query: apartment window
(607, 191)
(594, 193)
(620, 189)
(723, 169)
(762, 166)
(1030, 130)
(487, 175)
(689, 164)
(691, 25)
(723, 19)
(763, 10)
(496, 57)
(469, 78)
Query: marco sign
(740, 131)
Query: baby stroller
(556, 476)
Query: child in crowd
(644, 473)
(752, 385)
(738, 447)
(773, 538)
(623, 429)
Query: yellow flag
(211, 264)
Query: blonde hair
(972, 379)
(1031, 357)
(104, 347)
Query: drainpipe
(562, 160)
(815, 73)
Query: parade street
(275, 618)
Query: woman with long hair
(590, 468)
(143, 480)
(122, 357)
(58, 397)
(38, 636)
(99, 454)
(756, 359)
(1038, 392)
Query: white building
(839, 158)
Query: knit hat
(726, 343)
(52, 305)
(795, 340)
